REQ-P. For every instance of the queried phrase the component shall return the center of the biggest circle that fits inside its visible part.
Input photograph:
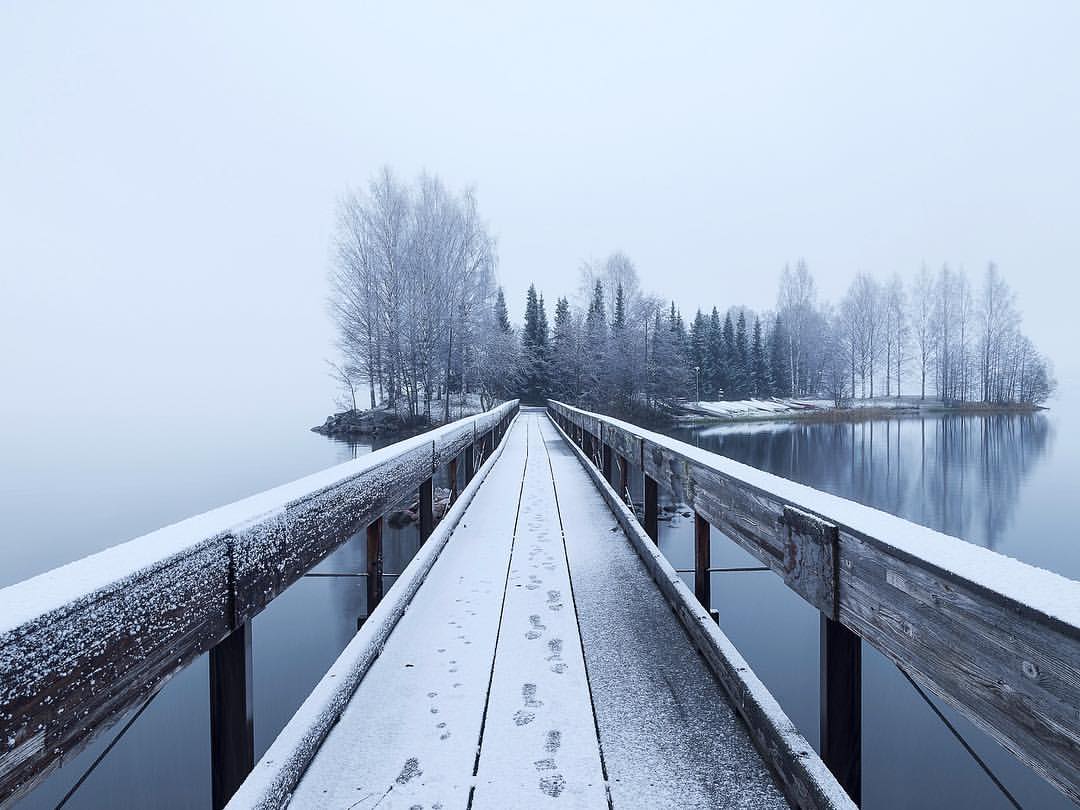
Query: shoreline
(853, 413)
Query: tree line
(622, 350)
(420, 317)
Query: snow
(752, 696)
(408, 735)
(539, 741)
(113, 567)
(270, 784)
(1044, 591)
(644, 672)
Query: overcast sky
(169, 172)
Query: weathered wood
(427, 510)
(374, 564)
(652, 509)
(800, 773)
(273, 553)
(452, 473)
(810, 559)
(702, 561)
(112, 628)
(232, 729)
(1011, 669)
(605, 463)
(841, 705)
(75, 670)
(624, 476)
(470, 463)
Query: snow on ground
(765, 408)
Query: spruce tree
(759, 365)
(742, 357)
(502, 317)
(715, 356)
(727, 360)
(779, 372)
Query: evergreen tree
(779, 368)
(502, 317)
(742, 358)
(699, 337)
(715, 357)
(595, 349)
(619, 320)
(533, 347)
(759, 365)
(727, 359)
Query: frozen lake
(999, 481)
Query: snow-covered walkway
(538, 666)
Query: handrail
(995, 638)
(82, 644)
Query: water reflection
(967, 476)
(958, 474)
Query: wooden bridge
(539, 650)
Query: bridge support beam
(652, 509)
(605, 450)
(702, 561)
(374, 565)
(232, 735)
(470, 463)
(452, 472)
(841, 705)
(427, 511)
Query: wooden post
(702, 561)
(605, 451)
(374, 565)
(427, 511)
(624, 477)
(841, 705)
(451, 469)
(652, 509)
(232, 735)
(469, 464)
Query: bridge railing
(84, 643)
(995, 638)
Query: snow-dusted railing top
(81, 644)
(997, 639)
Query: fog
(169, 175)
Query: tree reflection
(959, 474)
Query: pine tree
(502, 317)
(742, 357)
(759, 365)
(699, 336)
(619, 320)
(727, 359)
(593, 381)
(534, 347)
(779, 369)
(715, 357)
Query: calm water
(996, 481)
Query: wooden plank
(669, 736)
(841, 705)
(273, 553)
(425, 498)
(800, 773)
(539, 742)
(1016, 678)
(155, 604)
(75, 670)
(232, 729)
(1011, 669)
(702, 561)
(409, 734)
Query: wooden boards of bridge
(669, 736)
(482, 698)
(409, 735)
(540, 741)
